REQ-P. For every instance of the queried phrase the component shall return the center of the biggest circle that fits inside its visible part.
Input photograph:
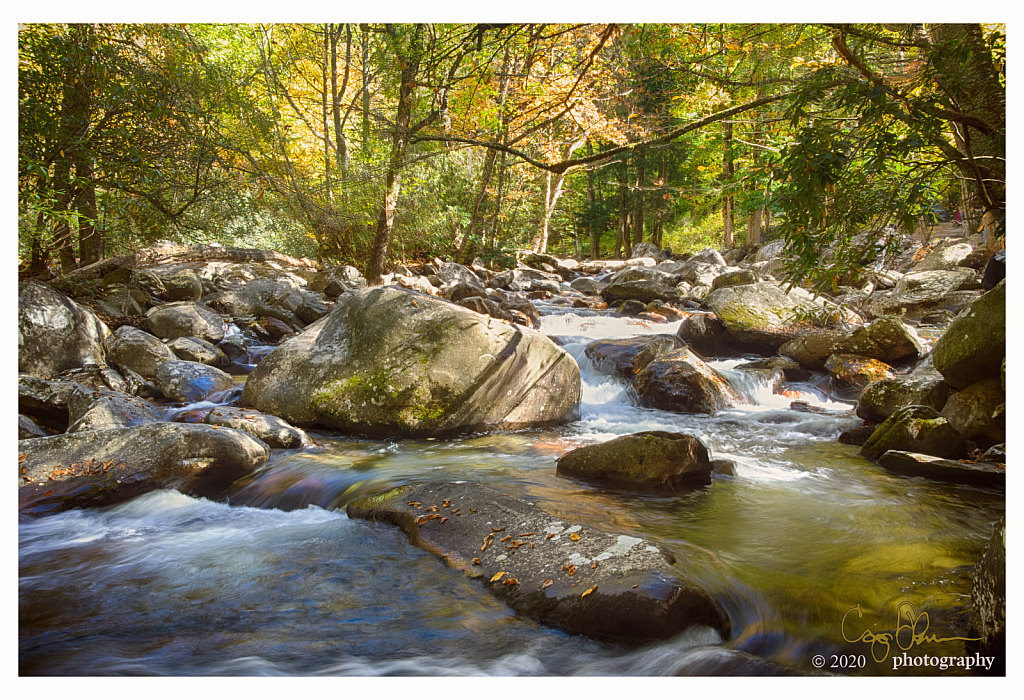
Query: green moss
(372, 502)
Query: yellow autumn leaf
(497, 576)
(588, 591)
(575, 537)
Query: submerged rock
(101, 467)
(389, 362)
(652, 457)
(574, 577)
(916, 464)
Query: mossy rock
(974, 345)
(649, 458)
(916, 429)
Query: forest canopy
(373, 143)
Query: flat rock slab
(572, 576)
(915, 464)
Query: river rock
(854, 371)
(311, 309)
(886, 338)
(916, 464)
(920, 293)
(389, 362)
(28, 428)
(632, 595)
(626, 356)
(974, 345)
(988, 599)
(138, 350)
(916, 429)
(731, 278)
(513, 302)
(55, 333)
(705, 334)
(105, 409)
(189, 382)
(179, 283)
(101, 467)
(343, 277)
(971, 411)
(682, 382)
(651, 458)
(789, 367)
(587, 285)
(270, 429)
(233, 302)
(923, 386)
(183, 319)
(647, 250)
(46, 399)
(453, 273)
(762, 314)
(195, 349)
(644, 291)
(812, 348)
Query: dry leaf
(477, 561)
(571, 568)
(588, 592)
(497, 529)
(547, 582)
(497, 576)
(511, 582)
(506, 538)
(527, 534)
(575, 537)
(551, 535)
(594, 565)
(22, 458)
(443, 520)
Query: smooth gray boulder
(105, 409)
(101, 467)
(183, 319)
(650, 458)
(195, 349)
(55, 333)
(45, 400)
(138, 350)
(188, 382)
(389, 362)
(624, 357)
(571, 576)
(270, 429)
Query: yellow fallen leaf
(588, 591)
(547, 582)
(497, 576)
(575, 537)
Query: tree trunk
(592, 232)
(465, 244)
(365, 95)
(392, 181)
(623, 237)
(638, 224)
(727, 174)
(659, 224)
(62, 228)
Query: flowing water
(278, 581)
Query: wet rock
(916, 464)
(705, 334)
(462, 290)
(974, 345)
(923, 386)
(916, 429)
(996, 453)
(723, 467)
(856, 436)
(971, 411)
(651, 458)
(188, 382)
(813, 348)
(854, 371)
(388, 362)
(631, 308)
(644, 291)
(626, 356)
(101, 467)
(270, 429)
(55, 333)
(184, 319)
(311, 310)
(988, 600)
(195, 349)
(138, 350)
(762, 314)
(790, 367)
(46, 400)
(516, 302)
(574, 577)
(104, 409)
(595, 303)
(681, 382)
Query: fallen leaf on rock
(497, 529)
(551, 535)
(506, 538)
(511, 582)
(497, 576)
(477, 561)
(571, 568)
(588, 592)
(575, 537)
(22, 458)
(527, 534)
(547, 582)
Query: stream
(278, 581)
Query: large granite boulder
(988, 599)
(138, 350)
(647, 250)
(886, 338)
(389, 362)
(944, 257)
(682, 382)
(185, 318)
(106, 409)
(762, 314)
(55, 333)
(812, 348)
(645, 291)
(45, 400)
(916, 429)
(572, 576)
(971, 410)
(974, 344)
(651, 458)
(101, 467)
(341, 278)
(180, 283)
(916, 464)
(920, 293)
(705, 334)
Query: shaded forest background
(371, 143)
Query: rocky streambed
(277, 470)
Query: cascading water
(279, 581)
